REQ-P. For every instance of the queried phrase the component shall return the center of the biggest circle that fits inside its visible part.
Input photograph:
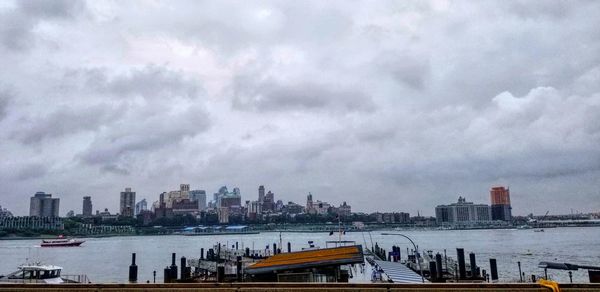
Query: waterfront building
(463, 213)
(321, 208)
(223, 214)
(344, 210)
(184, 206)
(402, 217)
(86, 210)
(199, 196)
(107, 216)
(127, 203)
(309, 204)
(43, 205)
(500, 199)
(141, 206)
(279, 206)
(268, 205)
(293, 208)
(182, 194)
(5, 213)
(32, 222)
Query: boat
(60, 242)
(41, 273)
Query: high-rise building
(501, 209)
(199, 196)
(86, 211)
(127, 203)
(141, 206)
(43, 205)
(261, 194)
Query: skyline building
(200, 197)
(261, 194)
(141, 206)
(86, 210)
(5, 213)
(463, 213)
(127, 203)
(500, 199)
(43, 205)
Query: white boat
(40, 273)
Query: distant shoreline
(41, 237)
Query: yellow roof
(309, 258)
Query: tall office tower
(261, 194)
(501, 209)
(127, 203)
(43, 205)
(86, 211)
(200, 197)
(141, 206)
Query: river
(106, 260)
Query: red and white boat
(61, 242)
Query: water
(106, 260)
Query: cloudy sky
(388, 105)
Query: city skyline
(385, 105)
(496, 195)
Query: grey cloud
(409, 69)
(31, 171)
(141, 132)
(17, 25)
(150, 82)
(274, 96)
(65, 121)
(52, 9)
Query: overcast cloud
(388, 105)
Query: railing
(83, 279)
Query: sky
(388, 105)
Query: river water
(106, 260)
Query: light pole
(416, 250)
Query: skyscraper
(87, 206)
(261, 194)
(141, 206)
(200, 197)
(500, 199)
(43, 205)
(127, 203)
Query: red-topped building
(501, 209)
(500, 196)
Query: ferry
(43, 274)
(61, 242)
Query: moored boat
(61, 242)
(40, 273)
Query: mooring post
(473, 264)
(520, 275)
(154, 276)
(462, 271)
(494, 270)
(133, 270)
(183, 268)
